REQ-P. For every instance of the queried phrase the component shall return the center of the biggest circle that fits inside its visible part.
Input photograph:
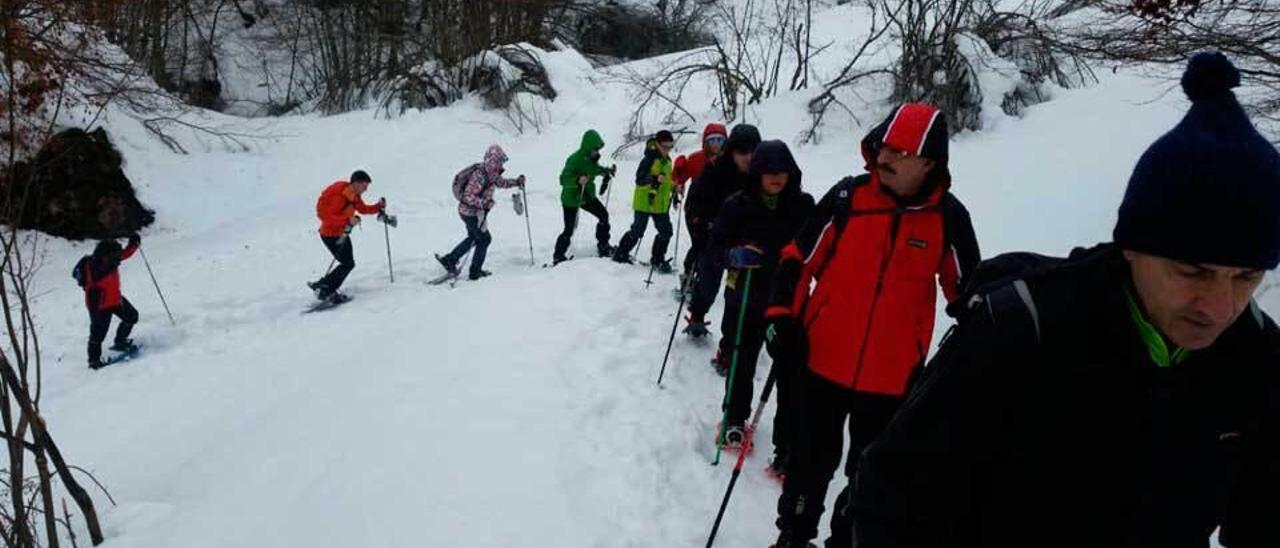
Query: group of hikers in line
(1125, 396)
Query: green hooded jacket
(654, 184)
(580, 164)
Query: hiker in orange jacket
(337, 208)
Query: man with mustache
(872, 251)
(1125, 397)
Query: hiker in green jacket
(654, 197)
(578, 191)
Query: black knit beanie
(1208, 191)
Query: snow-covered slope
(516, 411)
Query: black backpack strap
(1012, 307)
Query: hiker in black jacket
(1125, 397)
(750, 231)
(707, 193)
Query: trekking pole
(157, 284)
(742, 455)
(733, 365)
(386, 235)
(675, 255)
(672, 339)
(527, 230)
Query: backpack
(460, 180)
(78, 272)
(999, 285)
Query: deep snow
(516, 411)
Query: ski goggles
(716, 140)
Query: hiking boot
(558, 260)
(734, 437)
(124, 346)
(449, 265)
(622, 258)
(317, 288)
(662, 266)
(479, 274)
(605, 250)
(785, 543)
(96, 364)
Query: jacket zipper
(875, 298)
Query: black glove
(604, 185)
(784, 338)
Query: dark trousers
(340, 247)
(661, 221)
(821, 408)
(478, 237)
(697, 241)
(740, 393)
(100, 323)
(595, 208)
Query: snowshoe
(317, 288)
(697, 330)
(479, 274)
(662, 266)
(96, 364)
(329, 301)
(622, 259)
(558, 260)
(605, 250)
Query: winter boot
(662, 266)
(450, 265)
(559, 259)
(319, 289)
(620, 256)
(604, 250)
(786, 543)
(720, 364)
(479, 274)
(96, 364)
(125, 345)
(777, 467)
(735, 437)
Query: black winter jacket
(1056, 430)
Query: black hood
(744, 137)
(775, 157)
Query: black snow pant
(821, 408)
(477, 236)
(661, 221)
(340, 247)
(738, 395)
(698, 236)
(100, 323)
(595, 208)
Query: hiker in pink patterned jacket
(473, 187)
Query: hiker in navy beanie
(1126, 396)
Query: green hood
(591, 141)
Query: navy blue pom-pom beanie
(1208, 191)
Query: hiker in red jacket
(687, 170)
(876, 245)
(98, 274)
(337, 208)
